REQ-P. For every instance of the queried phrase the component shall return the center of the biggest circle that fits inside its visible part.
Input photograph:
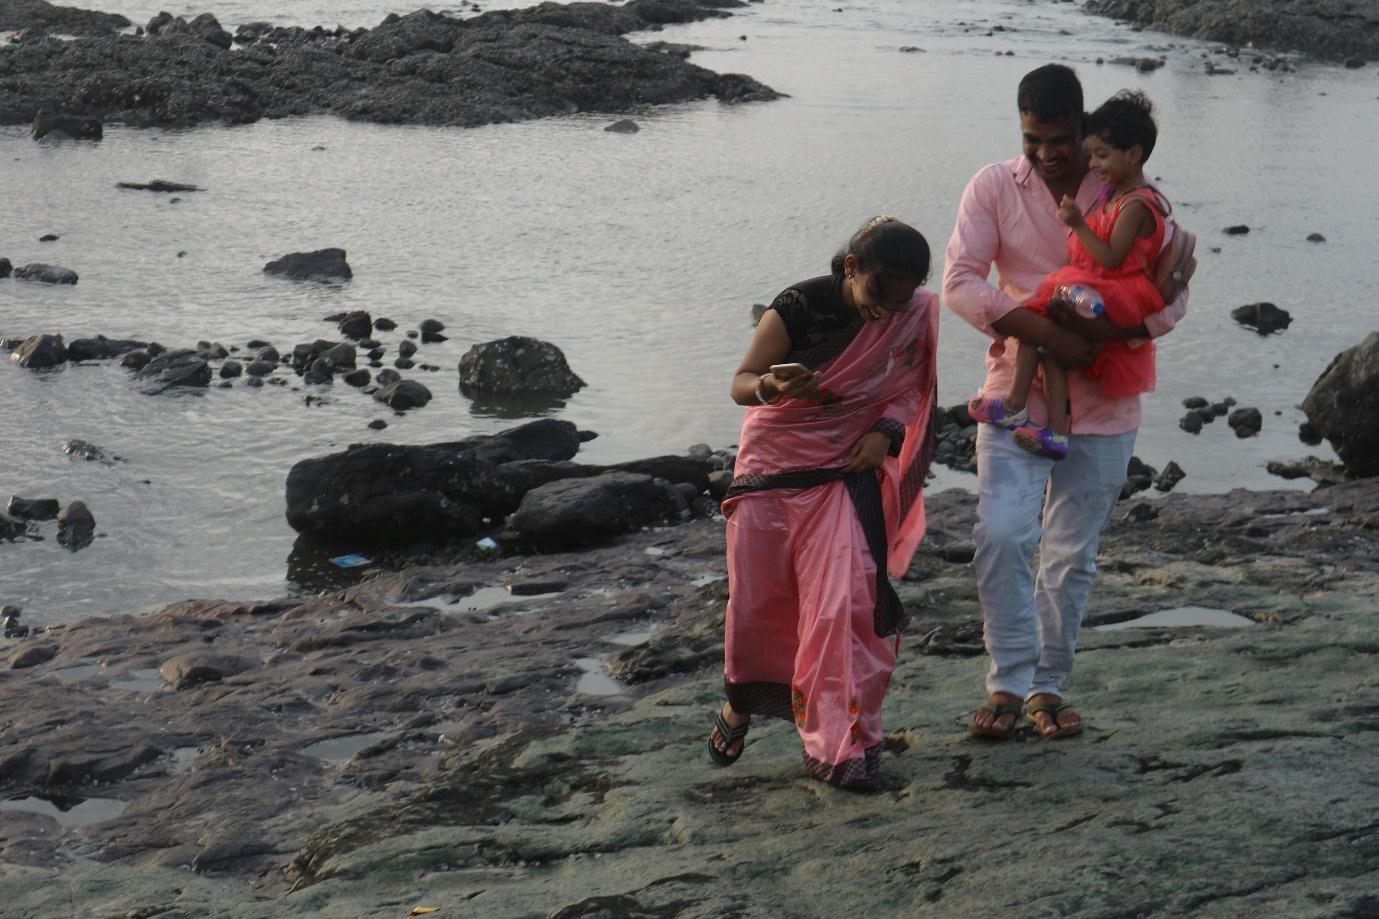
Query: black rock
(11, 528)
(41, 351)
(49, 238)
(257, 344)
(1238, 229)
(269, 354)
(323, 265)
(1195, 402)
(406, 348)
(177, 368)
(55, 126)
(32, 508)
(1264, 318)
(1316, 238)
(432, 338)
(404, 363)
(378, 424)
(431, 325)
(357, 325)
(1246, 422)
(387, 377)
(1192, 422)
(76, 526)
(384, 324)
(1218, 409)
(87, 451)
(334, 359)
(393, 492)
(305, 354)
(160, 185)
(211, 351)
(404, 395)
(101, 348)
(582, 511)
(231, 369)
(1343, 406)
(260, 368)
(1171, 476)
(515, 366)
(625, 126)
(6, 268)
(360, 377)
(1310, 434)
(376, 354)
(45, 274)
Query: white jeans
(1031, 624)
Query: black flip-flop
(730, 735)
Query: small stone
(406, 349)
(1246, 422)
(378, 424)
(625, 126)
(1238, 229)
(431, 325)
(1195, 402)
(231, 369)
(404, 363)
(1191, 422)
(384, 324)
(1172, 475)
(1316, 238)
(49, 238)
(360, 377)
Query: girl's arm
(1132, 221)
(769, 346)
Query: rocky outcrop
(321, 265)
(176, 368)
(76, 526)
(1334, 30)
(36, 17)
(57, 126)
(40, 351)
(587, 510)
(423, 68)
(516, 366)
(45, 274)
(397, 493)
(32, 508)
(1343, 405)
(101, 348)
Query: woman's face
(876, 294)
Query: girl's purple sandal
(993, 411)
(1043, 442)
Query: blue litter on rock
(350, 561)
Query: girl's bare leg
(1055, 393)
(1026, 363)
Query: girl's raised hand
(1068, 211)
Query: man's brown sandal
(998, 711)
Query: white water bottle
(1084, 300)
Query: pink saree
(812, 625)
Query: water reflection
(530, 405)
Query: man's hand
(868, 453)
(1069, 213)
(1096, 330)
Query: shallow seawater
(1183, 617)
(68, 812)
(639, 255)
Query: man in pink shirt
(1008, 218)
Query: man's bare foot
(729, 748)
(1052, 717)
(997, 717)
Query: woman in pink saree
(826, 499)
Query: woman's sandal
(730, 735)
(1043, 442)
(998, 710)
(1052, 709)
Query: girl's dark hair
(890, 247)
(1050, 93)
(1125, 119)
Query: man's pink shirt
(1008, 218)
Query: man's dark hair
(1125, 119)
(1050, 93)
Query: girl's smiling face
(1109, 164)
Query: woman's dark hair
(1125, 119)
(887, 246)
(1050, 93)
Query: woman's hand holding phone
(795, 381)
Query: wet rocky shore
(1333, 30)
(523, 735)
(422, 68)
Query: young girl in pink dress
(826, 499)
(1111, 250)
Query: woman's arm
(769, 345)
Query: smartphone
(790, 370)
